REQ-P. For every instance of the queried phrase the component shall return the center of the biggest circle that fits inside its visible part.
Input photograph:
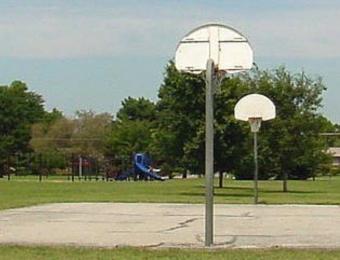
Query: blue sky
(91, 54)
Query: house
(335, 152)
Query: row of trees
(172, 129)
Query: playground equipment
(142, 169)
(83, 167)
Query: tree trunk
(220, 184)
(285, 180)
(184, 175)
(2, 170)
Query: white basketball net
(255, 124)
(219, 76)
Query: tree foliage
(172, 130)
(59, 139)
(131, 132)
(137, 109)
(129, 137)
(289, 145)
(19, 109)
(90, 133)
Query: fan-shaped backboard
(228, 48)
(255, 106)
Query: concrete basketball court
(171, 225)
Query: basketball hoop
(216, 49)
(255, 108)
(221, 74)
(255, 124)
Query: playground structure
(142, 169)
(84, 168)
(87, 168)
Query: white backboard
(255, 106)
(228, 48)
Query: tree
(50, 117)
(132, 130)
(91, 133)
(290, 145)
(128, 137)
(62, 137)
(231, 136)
(19, 109)
(46, 155)
(180, 110)
(56, 136)
(137, 109)
(181, 122)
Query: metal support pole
(8, 169)
(40, 167)
(72, 167)
(80, 169)
(256, 194)
(209, 155)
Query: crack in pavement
(180, 225)
(154, 245)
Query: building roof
(335, 151)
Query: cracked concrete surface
(171, 225)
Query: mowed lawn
(25, 192)
(36, 253)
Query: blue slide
(142, 165)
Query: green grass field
(36, 253)
(28, 191)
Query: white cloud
(298, 34)
(60, 33)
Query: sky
(84, 54)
